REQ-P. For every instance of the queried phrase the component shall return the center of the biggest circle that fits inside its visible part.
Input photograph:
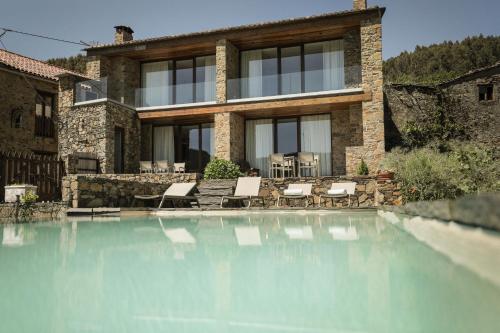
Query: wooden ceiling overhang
(256, 109)
(281, 33)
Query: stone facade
(227, 67)
(90, 191)
(19, 97)
(90, 128)
(457, 99)
(230, 136)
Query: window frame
(46, 123)
(302, 60)
(483, 97)
(174, 76)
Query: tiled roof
(470, 73)
(32, 66)
(241, 27)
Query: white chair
(339, 190)
(176, 192)
(306, 161)
(146, 167)
(180, 167)
(163, 166)
(279, 163)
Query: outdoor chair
(247, 188)
(163, 166)
(180, 167)
(339, 190)
(145, 167)
(176, 192)
(296, 192)
(278, 162)
(306, 161)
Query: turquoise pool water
(335, 272)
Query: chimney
(123, 34)
(359, 4)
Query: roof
(32, 66)
(470, 74)
(338, 14)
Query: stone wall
(347, 134)
(18, 96)
(89, 191)
(459, 102)
(90, 128)
(369, 191)
(229, 130)
(227, 67)
(41, 210)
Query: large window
(44, 123)
(289, 136)
(177, 82)
(193, 144)
(311, 67)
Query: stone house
(28, 104)
(241, 93)
(471, 101)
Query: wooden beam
(300, 104)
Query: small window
(17, 119)
(44, 124)
(486, 92)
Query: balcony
(175, 95)
(297, 84)
(91, 90)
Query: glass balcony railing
(200, 92)
(91, 90)
(294, 83)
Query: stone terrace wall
(369, 191)
(116, 190)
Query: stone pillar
(229, 131)
(359, 4)
(97, 67)
(373, 81)
(124, 80)
(227, 64)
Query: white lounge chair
(296, 191)
(247, 188)
(176, 192)
(180, 167)
(339, 190)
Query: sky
(407, 23)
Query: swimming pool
(251, 272)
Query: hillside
(444, 61)
(74, 63)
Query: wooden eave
(259, 109)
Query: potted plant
(15, 191)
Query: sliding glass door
(259, 73)
(324, 66)
(289, 136)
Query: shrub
(221, 169)
(26, 206)
(427, 174)
(363, 168)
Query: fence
(43, 171)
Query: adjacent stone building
(28, 104)
(310, 84)
(471, 102)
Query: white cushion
(295, 191)
(339, 191)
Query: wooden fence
(43, 171)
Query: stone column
(229, 134)
(124, 80)
(373, 111)
(227, 64)
(97, 67)
(66, 97)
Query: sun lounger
(296, 191)
(247, 188)
(339, 190)
(176, 192)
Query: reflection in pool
(271, 272)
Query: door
(119, 134)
